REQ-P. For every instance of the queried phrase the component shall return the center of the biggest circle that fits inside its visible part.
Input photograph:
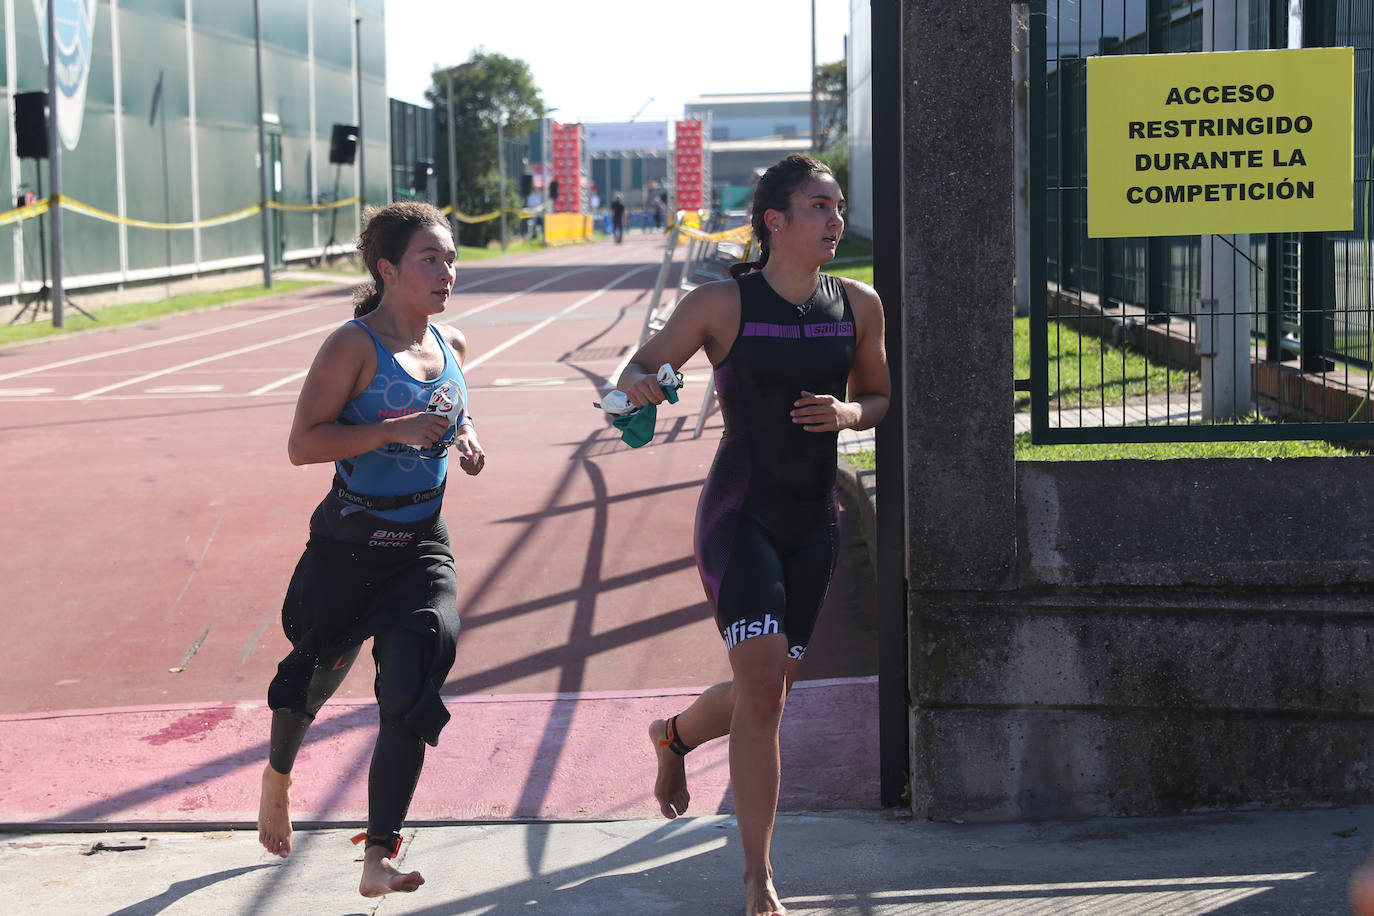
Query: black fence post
(894, 699)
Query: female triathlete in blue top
(383, 401)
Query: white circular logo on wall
(75, 27)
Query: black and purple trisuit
(767, 527)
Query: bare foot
(381, 876)
(274, 812)
(1362, 890)
(761, 899)
(670, 787)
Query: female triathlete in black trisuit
(798, 356)
(384, 400)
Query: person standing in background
(618, 219)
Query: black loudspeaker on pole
(343, 144)
(31, 124)
(423, 169)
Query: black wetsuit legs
(403, 657)
(290, 725)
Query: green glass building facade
(168, 132)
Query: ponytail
(741, 268)
(367, 297)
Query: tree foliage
(487, 88)
(837, 157)
(832, 99)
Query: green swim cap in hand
(638, 428)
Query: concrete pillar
(959, 264)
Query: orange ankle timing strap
(389, 841)
(673, 741)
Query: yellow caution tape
(307, 208)
(77, 206)
(470, 220)
(737, 234)
(522, 212)
(690, 221)
(29, 211)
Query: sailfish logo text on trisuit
(74, 33)
(797, 332)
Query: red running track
(155, 521)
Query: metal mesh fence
(1122, 328)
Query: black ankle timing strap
(673, 741)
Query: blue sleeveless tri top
(398, 481)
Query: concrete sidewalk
(839, 863)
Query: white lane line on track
(507, 298)
(297, 376)
(499, 348)
(215, 330)
(157, 343)
(185, 389)
(285, 394)
(96, 392)
(273, 386)
(526, 382)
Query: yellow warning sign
(1221, 142)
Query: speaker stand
(41, 300)
(327, 255)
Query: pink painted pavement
(540, 757)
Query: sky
(618, 56)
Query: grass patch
(1084, 369)
(864, 461)
(112, 315)
(861, 269)
(1152, 451)
(513, 246)
(1163, 451)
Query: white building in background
(859, 194)
(755, 115)
(749, 131)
